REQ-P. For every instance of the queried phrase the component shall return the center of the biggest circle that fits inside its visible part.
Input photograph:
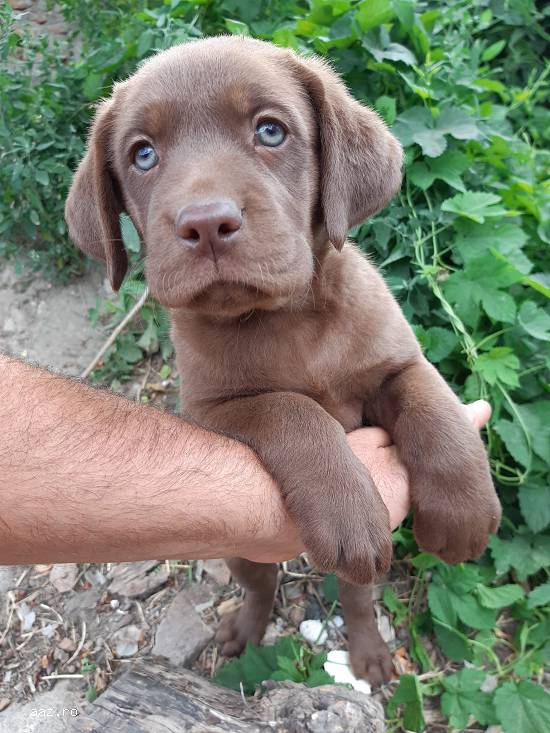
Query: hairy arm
(86, 475)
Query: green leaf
(526, 552)
(129, 351)
(493, 50)
(42, 177)
(288, 666)
(453, 644)
(440, 342)
(409, 694)
(441, 605)
(499, 364)
(457, 122)
(463, 698)
(385, 106)
(394, 605)
(523, 707)
(236, 27)
(425, 560)
(431, 142)
(319, 677)
(130, 237)
(471, 612)
(474, 240)
(536, 416)
(372, 13)
(501, 596)
(93, 86)
(391, 51)
(535, 320)
(330, 587)
(448, 167)
(479, 282)
(540, 596)
(421, 175)
(416, 125)
(534, 502)
(257, 664)
(513, 437)
(474, 205)
(499, 306)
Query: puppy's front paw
(351, 538)
(454, 521)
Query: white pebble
(338, 667)
(313, 632)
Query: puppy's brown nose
(209, 229)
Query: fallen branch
(118, 330)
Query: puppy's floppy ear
(94, 202)
(360, 158)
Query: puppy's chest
(263, 357)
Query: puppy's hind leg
(369, 655)
(259, 581)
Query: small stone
(137, 579)
(489, 683)
(293, 591)
(229, 606)
(4, 702)
(63, 577)
(387, 632)
(182, 634)
(218, 571)
(312, 630)
(67, 644)
(81, 604)
(296, 615)
(337, 622)
(115, 603)
(59, 655)
(26, 616)
(126, 640)
(272, 633)
(49, 630)
(21, 4)
(95, 577)
(314, 610)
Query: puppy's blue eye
(145, 157)
(270, 133)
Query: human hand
(279, 539)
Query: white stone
(312, 630)
(338, 667)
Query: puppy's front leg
(455, 503)
(341, 517)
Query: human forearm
(87, 475)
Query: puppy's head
(237, 162)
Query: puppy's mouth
(232, 299)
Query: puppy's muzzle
(211, 229)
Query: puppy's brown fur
(286, 342)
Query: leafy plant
(288, 659)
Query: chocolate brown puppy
(242, 166)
